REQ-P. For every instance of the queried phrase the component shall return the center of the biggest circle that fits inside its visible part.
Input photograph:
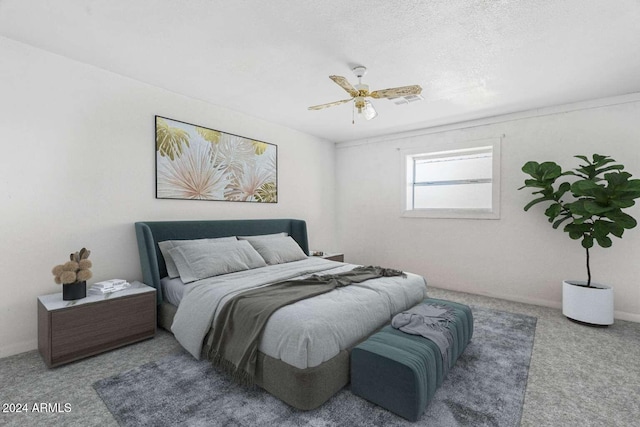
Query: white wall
(77, 169)
(518, 257)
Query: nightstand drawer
(88, 328)
(98, 327)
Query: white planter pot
(592, 305)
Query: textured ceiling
(271, 59)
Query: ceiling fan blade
(396, 92)
(331, 104)
(344, 84)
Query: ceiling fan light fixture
(364, 108)
(368, 111)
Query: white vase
(592, 305)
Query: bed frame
(301, 388)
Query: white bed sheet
(308, 332)
(172, 290)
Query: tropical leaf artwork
(197, 163)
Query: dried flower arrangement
(74, 270)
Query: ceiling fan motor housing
(363, 89)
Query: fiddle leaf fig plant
(590, 199)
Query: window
(453, 181)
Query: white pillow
(278, 250)
(172, 271)
(199, 261)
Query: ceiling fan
(361, 91)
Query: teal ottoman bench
(400, 371)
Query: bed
(303, 366)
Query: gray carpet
(485, 388)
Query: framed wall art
(198, 163)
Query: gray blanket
(233, 343)
(429, 321)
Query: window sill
(451, 213)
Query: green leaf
(576, 231)
(577, 208)
(587, 241)
(582, 158)
(616, 230)
(597, 158)
(585, 188)
(575, 235)
(562, 189)
(531, 168)
(534, 183)
(580, 219)
(601, 227)
(624, 203)
(550, 171)
(595, 208)
(589, 171)
(553, 211)
(580, 228)
(560, 221)
(609, 168)
(621, 218)
(632, 185)
(535, 202)
(603, 161)
(629, 190)
(603, 241)
(616, 179)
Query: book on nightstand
(108, 286)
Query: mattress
(309, 332)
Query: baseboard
(510, 297)
(21, 347)
(623, 315)
(527, 300)
(620, 315)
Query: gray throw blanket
(232, 343)
(429, 321)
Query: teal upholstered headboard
(150, 233)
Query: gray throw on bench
(430, 321)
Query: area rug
(485, 388)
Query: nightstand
(72, 330)
(333, 257)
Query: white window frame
(407, 157)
